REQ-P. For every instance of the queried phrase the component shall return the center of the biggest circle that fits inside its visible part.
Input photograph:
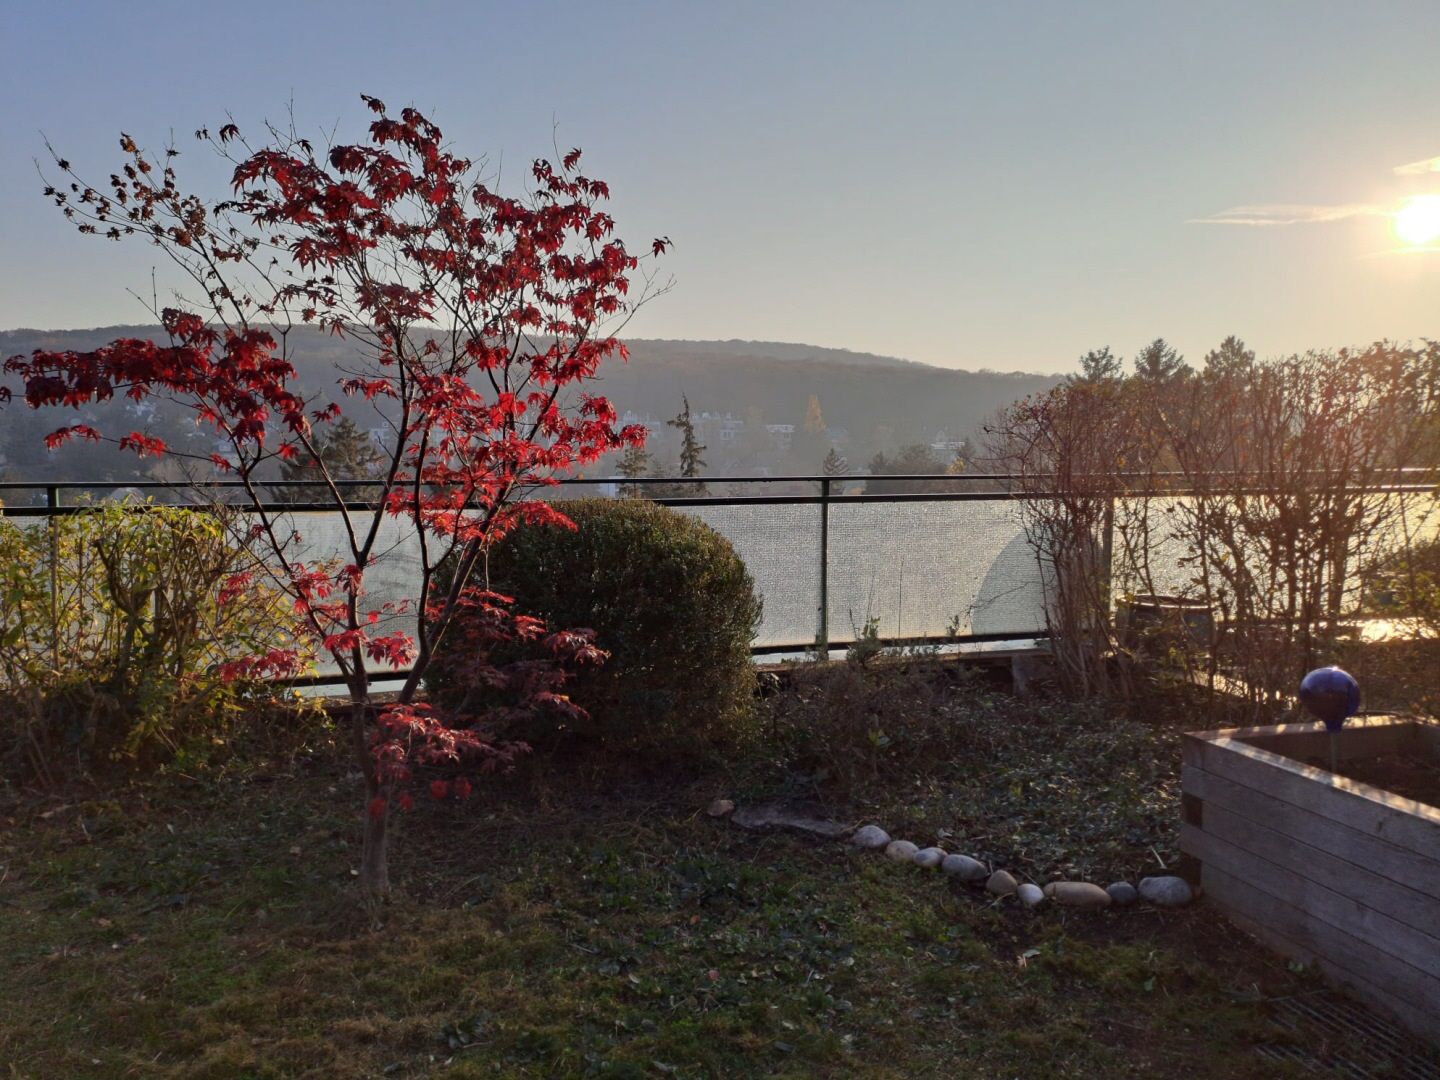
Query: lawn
(566, 925)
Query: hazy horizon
(862, 355)
(955, 185)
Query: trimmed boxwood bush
(668, 599)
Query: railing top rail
(960, 478)
(145, 485)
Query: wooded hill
(881, 402)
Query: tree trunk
(374, 854)
(375, 827)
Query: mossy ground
(558, 927)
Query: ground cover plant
(595, 922)
(943, 753)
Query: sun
(1418, 221)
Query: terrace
(583, 916)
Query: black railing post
(822, 636)
(1107, 554)
(52, 503)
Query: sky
(964, 184)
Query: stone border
(1161, 890)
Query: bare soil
(1407, 775)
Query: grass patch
(212, 930)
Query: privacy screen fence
(929, 558)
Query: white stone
(1166, 890)
(929, 857)
(721, 807)
(964, 867)
(870, 837)
(901, 850)
(1030, 895)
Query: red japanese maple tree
(476, 320)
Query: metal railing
(828, 494)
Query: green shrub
(111, 631)
(667, 597)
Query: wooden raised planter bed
(1322, 868)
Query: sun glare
(1418, 221)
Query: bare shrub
(850, 724)
(1269, 493)
(1070, 450)
(1294, 492)
(112, 633)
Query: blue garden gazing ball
(1330, 695)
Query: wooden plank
(1365, 740)
(1266, 731)
(1415, 871)
(1373, 734)
(1192, 750)
(1403, 822)
(1357, 883)
(1287, 931)
(1405, 956)
(1355, 723)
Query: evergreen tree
(1231, 358)
(834, 463)
(1100, 365)
(634, 464)
(347, 454)
(1158, 362)
(691, 463)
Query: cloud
(1419, 168)
(1287, 214)
(1409, 249)
(1264, 215)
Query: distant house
(651, 425)
(782, 436)
(947, 445)
(720, 429)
